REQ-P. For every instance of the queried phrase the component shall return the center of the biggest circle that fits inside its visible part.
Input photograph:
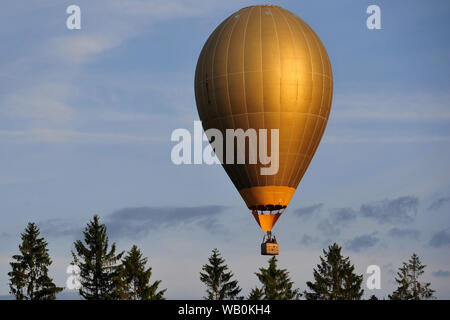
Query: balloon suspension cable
(270, 237)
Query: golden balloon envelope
(265, 68)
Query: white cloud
(122, 20)
(401, 106)
(349, 139)
(72, 136)
(78, 48)
(45, 103)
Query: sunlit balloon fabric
(265, 68)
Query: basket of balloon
(269, 249)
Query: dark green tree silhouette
(256, 294)
(136, 278)
(218, 281)
(373, 297)
(334, 278)
(29, 278)
(99, 270)
(409, 286)
(276, 284)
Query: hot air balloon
(264, 67)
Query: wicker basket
(269, 249)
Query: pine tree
(409, 287)
(29, 278)
(217, 280)
(334, 278)
(99, 271)
(136, 278)
(256, 294)
(276, 284)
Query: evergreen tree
(136, 278)
(29, 278)
(217, 280)
(99, 271)
(276, 284)
(373, 297)
(409, 287)
(256, 294)
(334, 278)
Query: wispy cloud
(360, 138)
(58, 227)
(441, 274)
(308, 211)
(327, 228)
(308, 240)
(120, 21)
(44, 104)
(399, 210)
(55, 136)
(385, 114)
(402, 106)
(376, 109)
(404, 233)
(362, 242)
(343, 215)
(439, 203)
(137, 222)
(440, 239)
(79, 48)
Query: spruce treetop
(335, 278)
(218, 279)
(29, 279)
(99, 270)
(136, 278)
(276, 284)
(409, 286)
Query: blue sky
(86, 117)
